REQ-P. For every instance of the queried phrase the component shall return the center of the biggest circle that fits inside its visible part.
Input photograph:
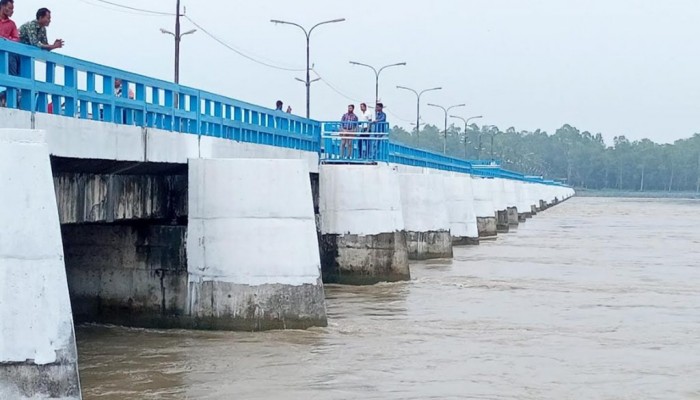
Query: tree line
(580, 159)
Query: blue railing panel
(354, 142)
(86, 90)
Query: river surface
(593, 299)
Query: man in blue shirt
(380, 119)
(378, 126)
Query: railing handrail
(130, 77)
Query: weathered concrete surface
(487, 227)
(523, 217)
(229, 306)
(513, 217)
(133, 275)
(84, 197)
(364, 259)
(38, 358)
(363, 240)
(425, 215)
(252, 250)
(502, 225)
(428, 245)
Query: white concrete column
(500, 204)
(38, 357)
(524, 209)
(363, 238)
(424, 210)
(460, 204)
(484, 207)
(252, 250)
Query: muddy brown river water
(593, 299)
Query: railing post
(70, 78)
(27, 99)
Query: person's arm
(39, 39)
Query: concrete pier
(511, 199)
(460, 204)
(484, 208)
(363, 238)
(524, 207)
(253, 259)
(500, 208)
(38, 357)
(424, 210)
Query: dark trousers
(13, 64)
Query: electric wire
(240, 53)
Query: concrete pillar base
(252, 251)
(236, 307)
(464, 241)
(512, 216)
(364, 260)
(543, 205)
(429, 245)
(523, 217)
(487, 227)
(533, 210)
(502, 225)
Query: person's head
(380, 107)
(279, 104)
(363, 107)
(43, 16)
(117, 83)
(351, 108)
(7, 8)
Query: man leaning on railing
(33, 32)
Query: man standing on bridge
(348, 124)
(33, 33)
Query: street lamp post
(446, 111)
(493, 134)
(418, 95)
(178, 36)
(466, 123)
(308, 54)
(376, 75)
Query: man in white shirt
(366, 118)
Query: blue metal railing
(87, 90)
(354, 142)
(53, 83)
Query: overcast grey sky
(623, 67)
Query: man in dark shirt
(380, 119)
(348, 126)
(378, 126)
(33, 32)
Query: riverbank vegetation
(581, 159)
